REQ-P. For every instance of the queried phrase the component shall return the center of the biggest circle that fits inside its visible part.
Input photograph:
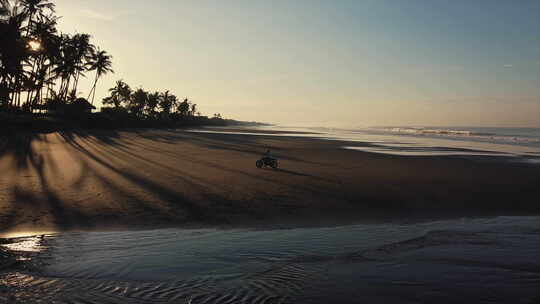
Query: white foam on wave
(490, 136)
(430, 131)
(459, 133)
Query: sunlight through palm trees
(38, 62)
(42, 69)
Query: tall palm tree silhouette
(13, 53)
(101, 62)
(83, 50)
(44, 32)
(65, 65)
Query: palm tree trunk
(16, 91)
(19, 98)
(42, 77)
(30, 90)
(66, 88)
(48, 83)
(76, 81)
(12, 91)
(94, 94)
(61, 88)
(93, 90)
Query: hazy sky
(327, 63)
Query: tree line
(144, 104)
(42, 68)
(39, 64)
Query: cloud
(508, 66)
(92, 14)
(96, 15)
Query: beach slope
(161, 178)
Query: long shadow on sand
(102, 156)
(83, 144)
(29, 162)
(116, 163)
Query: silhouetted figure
(267, 160)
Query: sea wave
(484, 134)
(421, 130)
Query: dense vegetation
(39, 65)
(42, 68)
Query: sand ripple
(277, 285)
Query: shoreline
(147, 179)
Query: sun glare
(34, 45)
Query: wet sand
(466, 260)
(173, 178)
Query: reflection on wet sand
(382, 263)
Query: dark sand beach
(383, 228)
(101, 180)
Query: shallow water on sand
(491, 260)
(520, 144)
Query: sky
(343, 63)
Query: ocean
(521, 143)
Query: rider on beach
(267, 154)
(267, 160)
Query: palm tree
(167, 102)
(100, 62)
(5, 10)
(83, 50)
(52, 51)
(65, 65)
(121, 93)
(35, 7)
(69, 63)
(138, 101)
(184, 107)
(13, 51)
(44, 32)
(112, 100)
(34, 56)
(152, 103)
